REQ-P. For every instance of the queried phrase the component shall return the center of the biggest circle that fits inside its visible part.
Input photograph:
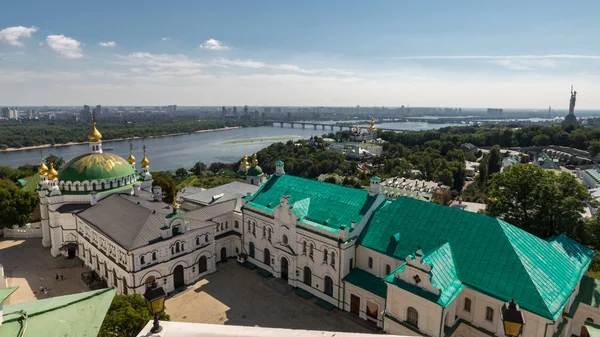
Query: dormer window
(417, 279)
(197, 241)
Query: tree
(542, 202)
(442, 197)
(541, 140)
(16, 205)
(594, 148)
(181, 173)
(198, 168)
(126, 317)
(58, 161)
(444, 176)
(168, 186)
(494, 160)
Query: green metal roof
(319, 202)
(77, 315)
(5, 292)
(375, 178)
(279, 162)
(367, 281)
(482, 252)
(95, 166)
(254, 171)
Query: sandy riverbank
(11, 149)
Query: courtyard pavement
(28, 265)
(235, 295)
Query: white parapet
(177, 329)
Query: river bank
(44, 146)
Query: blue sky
(505, 54)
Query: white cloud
(66, 46)
(165, 39)
(212, 44)
(241, 63)
(496, 57)
(525, 64)
(13, 35)
(107, 44)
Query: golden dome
(145, 161)
(372, 126)
(52, 173)
(254, 160)
(245, 162)
(95, 135)
(43, 170)
(131, 158)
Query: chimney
(279, 168)
(157, 191)
(375, 187)
(93, 198)
(353, 224)
(136, 190)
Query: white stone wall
(22, 233)
(365, 299)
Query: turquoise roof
(375, 178)
(77, 315)
(254, 171)
(480, 252)
(367, 281)
(279, 162)
(322, 203)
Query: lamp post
(155, 296)
(512, 319)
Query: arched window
(182, 246)
(197, 241)
(370, 262)
(304, 248)
(153, 256)
(264, 232)
(333, 259)
(236, 224)
(177, 248)
(267, 257)
(328, 286)
(388, 269)
(249, 227)
(142, 260)
(467, 306)
(284, 239)
(226, 224)
(254, 229)
(151, 280)
(412, 316)
(172, 250)
(310, 252)
(202, 265)
(251, 249)
(324, 255)
(269, 236)
(206, 238)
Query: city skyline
(465, 54)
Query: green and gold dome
(96, 166)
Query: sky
(501, 54)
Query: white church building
(407, 266)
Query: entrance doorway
(355, 304)
(223, 254)
(202, 265)
(71, 252)
(307, 276)
(267, 259)
(284, 268)
(178, 280)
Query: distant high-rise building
(10, 113)
(98, 110)
(495, 112)
(245, 110)
(85, 115)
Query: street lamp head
(512, 318)
(155, 296)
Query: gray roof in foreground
(229, 191)
(134, 222)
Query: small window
(197, 241)
(325, 256)
(237, 250)
(417, 279)
(304, 248)
(412, 316)
(264, 232)
(177, 247)
(172, 250)
(467, 306)
(206, 238)
(226, 224)
(269, 236)
(388, 269)
(333, 260)
(142, 260)
(284, 239)
(489, 314)
(249, 227)
(310, 254)
(151, 280)
(236, 224)
(370, 262)
(153, 256)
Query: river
(173, 152)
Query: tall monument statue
(570, 118)
(572, 102)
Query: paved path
(235, 295)
(28, 265)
